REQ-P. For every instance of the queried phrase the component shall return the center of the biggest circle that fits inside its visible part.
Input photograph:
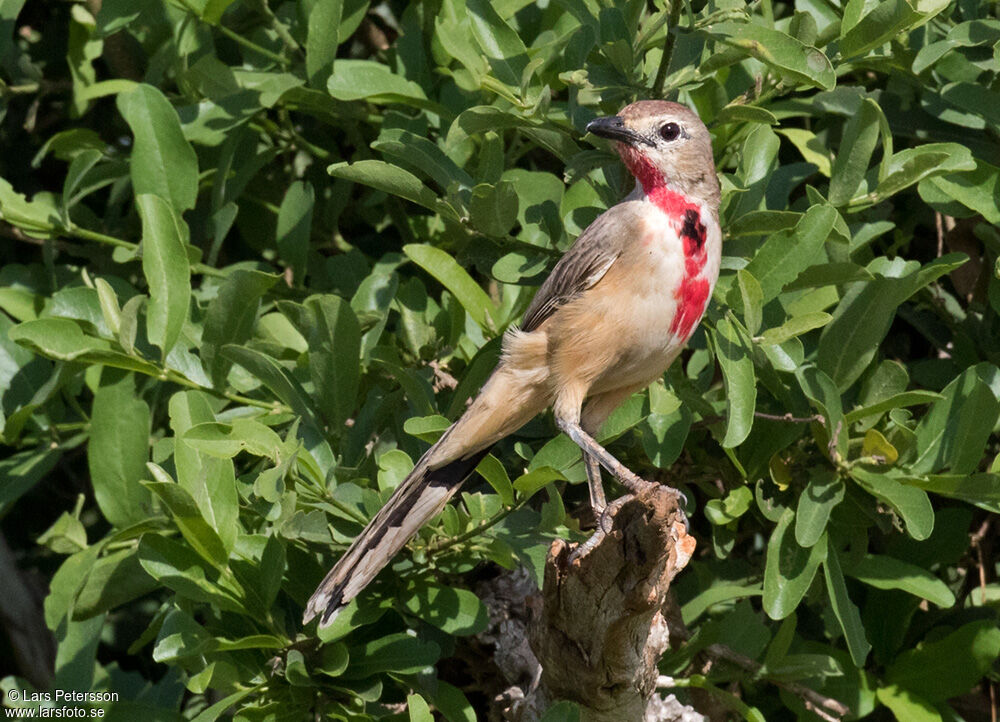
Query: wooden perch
(600, 632)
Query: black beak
(613, 127)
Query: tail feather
(510, 397)
(417, 499)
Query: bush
(259, 254)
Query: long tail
(502, 407)
(416, 500)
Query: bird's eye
(670, 131)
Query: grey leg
(598, 503)
(598, 453)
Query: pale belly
(652, 307)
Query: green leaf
(118, 449)
(909, 502)
(226, 440)
(978, 190)
(955, 430)
(737, 112)
(167, 271)
(845, 610)
(35, 217)
(113, 581)
(733, 353)
(735, 505)
(794, 60)
(181, 637)
(423, 156)
(334, 357)
(275, 377)
(213, 713)
(388, 178)
(321, 40)
(795, 326)
(786, 254)
(753, 298)
(231, 317)
(493, 209)
(883, 572)
(982, 490)
(493, 471)
(22, 470)
(454, 611)
(896, 401)
(823, 492)
(211, 482)
(399, 653)
(109, 305)
(885, 21)
(790, 568)
(718, 592)
(177, 567)
(373, 81)
(501, 44)
(457, 280)
(67, 534)
(294, 228)
(527, 484)
(163, 163)
(426, 428)
(907, 706)
(856, 147)
(393, 467)
(862, 319)
(812, 149)
(417, 709)
(931, 671)
(912, 165)
(193, 527)
(64, 340)
(79, 168)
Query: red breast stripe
(692, 293)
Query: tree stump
(600, 632)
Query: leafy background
(257, 254)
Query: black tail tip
(325, 604)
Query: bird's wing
(583, 265)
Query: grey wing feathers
(583, 265)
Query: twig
(674, 14)
(789, 418)
(825, 707)
(279, 27)
(834, 441)
(443, 544)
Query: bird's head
(664, 144)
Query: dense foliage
(257, 254)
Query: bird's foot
(604, 517)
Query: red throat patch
(692, 293)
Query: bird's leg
(597, 452)
(603, 528)
(598, 502)
(593, 416)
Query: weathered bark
(600, 630)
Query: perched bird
(615, 312)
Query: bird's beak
(613, 127)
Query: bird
(616, 310)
